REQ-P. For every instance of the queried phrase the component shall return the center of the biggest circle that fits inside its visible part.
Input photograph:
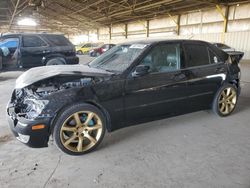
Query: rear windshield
(58, 40)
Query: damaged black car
(132, 83)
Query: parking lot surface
(194, 150)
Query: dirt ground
(194, 150)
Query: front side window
(164, 58)
(9, 43)
(119, 58)
(33, 41)
(197, 55)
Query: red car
(98, 51)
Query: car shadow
(124, 134)
(127, 133)
(243, 105)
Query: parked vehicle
(85, 49)
(32, 50)
(102, 49)
(132, 83)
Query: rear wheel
(79, 129)
(56, 61)
(79, 52)
(225, 100)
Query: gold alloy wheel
(227, 100)
(81, 131)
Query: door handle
(180, 76)
(46, 51)
(220, 69)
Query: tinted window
(58, 40)
(95, 45)
(222, 46)
(105, 46)
(164, 58)
(213, 57)
(33, 41)
(197, 55)
(88, 45)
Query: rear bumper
(72, 60)
(22, 129)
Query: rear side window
(33, 41)
(213, 57)
(222, 46)
(58, 40)
(197, 55)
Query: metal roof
(82, 15)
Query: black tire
(217, 104)
(68, 112)
(55, 61)
(92, 54)
(79, 52)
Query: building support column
(110, 32)
(126, 30)
(147, 29)
(225, 18)
(178, 25)
(98, 35)
(177, 22)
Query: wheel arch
(235, 82)
(54, 56)
(100, 107)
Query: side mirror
(140, 70)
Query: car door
(33, 50)
(160, 93)
(205, 73)
(11, 47)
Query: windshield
(119, 58)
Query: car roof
(23, 34)
(155, 41)
(219, 52)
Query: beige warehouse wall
(202, 25)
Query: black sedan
(132, 83)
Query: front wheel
(225, 100)
(79, 129)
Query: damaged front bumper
(24, 131)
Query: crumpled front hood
(40, 73)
